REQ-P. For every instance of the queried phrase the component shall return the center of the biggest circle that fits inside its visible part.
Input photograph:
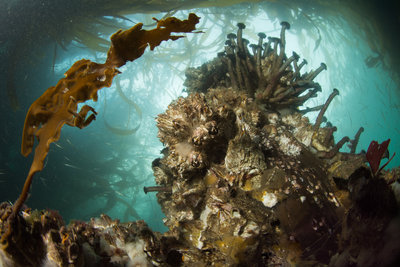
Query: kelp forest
(168, 133)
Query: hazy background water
(97, 170)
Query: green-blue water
(95, 170)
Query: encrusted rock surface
(263, 186)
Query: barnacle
(193, 130)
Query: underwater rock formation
(45, 241)
(245, 180)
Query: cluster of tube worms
(265, 72)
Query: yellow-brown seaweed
(58, 105)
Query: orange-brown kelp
(58, 105)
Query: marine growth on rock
(250, 180)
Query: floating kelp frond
(58, 105)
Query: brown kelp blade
(59, 104)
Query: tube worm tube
(231, 37)
(314, 74)
(354, 142)
(245, 48)
(295, 56)
(305, 111)
(300, 100)
(147, 189)
(261, 38)
(285, 26)
(276, 42)
(304, 62)
(241, 26)
(254, 49)
(297, 69)
(267, 47)
(225, 59)
(335, 149)
(325, 107)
